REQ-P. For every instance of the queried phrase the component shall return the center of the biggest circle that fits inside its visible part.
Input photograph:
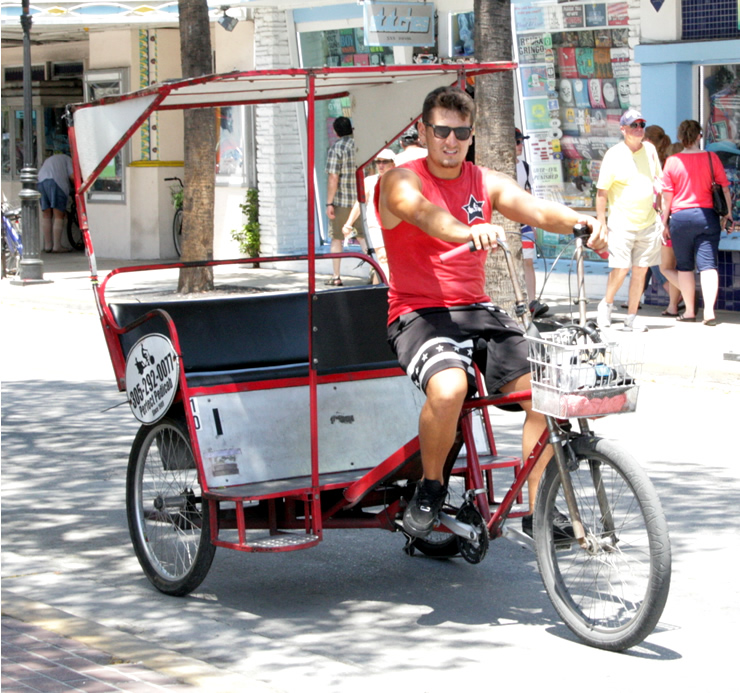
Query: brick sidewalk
(35, 659)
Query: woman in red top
(695, 227)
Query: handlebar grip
(468, 247)
(583, 231)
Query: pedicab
(270, 418)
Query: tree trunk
(495, 146)
(200, 151)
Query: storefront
(701, 80)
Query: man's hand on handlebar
(487, 236)
(598, 239)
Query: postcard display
(574, 85)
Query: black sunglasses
(638, 124)
(442, 132)
(382, 161)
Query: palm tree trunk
(495, 146)
(200, 151)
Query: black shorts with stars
(430, 340)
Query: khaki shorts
(341, 214)
(635, 248)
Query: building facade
(581, 64)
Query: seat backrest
(349, 329)
(227, 333)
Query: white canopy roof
(385, 101)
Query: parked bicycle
(177, 193)
(12, 241)
(74, 233)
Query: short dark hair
(343, 126)
(450, 99)
(688, 131)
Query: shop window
(110, 185)
(56, 140)
(13, 129)
(722, 121)
(235, 156)
(462, 34)
(344, 47)
(341, 47)
(709, 19)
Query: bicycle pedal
(518, 537)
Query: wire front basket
(573, 378)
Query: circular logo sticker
(152, 372)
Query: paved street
(355, 613)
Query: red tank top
(417, 277)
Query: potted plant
(248, 236)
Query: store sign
(399, 23)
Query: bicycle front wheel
(177, 231)
(610, 593)
(168, 518)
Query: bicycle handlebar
(468, 247)
(579, 231)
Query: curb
(126, 647)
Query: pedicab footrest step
(283, 541)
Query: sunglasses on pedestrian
(442, 132)
(378, 162)
(638, 125)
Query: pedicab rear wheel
(168, 518)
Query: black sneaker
(562, 530)
(423, 512)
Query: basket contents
(573, 378)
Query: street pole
(31, 268)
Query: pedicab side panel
(249, 398)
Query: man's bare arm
(331, 189)
(517, 204)
(401, 199)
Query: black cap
(519, 135)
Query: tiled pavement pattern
(34, 659)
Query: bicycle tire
(169, 522)
(12, 249)
(612, 594)
(74, 233)
(3, 257)
(177, 231)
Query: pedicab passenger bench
(246, 365)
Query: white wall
(233, 48)
(662, 25)
(280, 163)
